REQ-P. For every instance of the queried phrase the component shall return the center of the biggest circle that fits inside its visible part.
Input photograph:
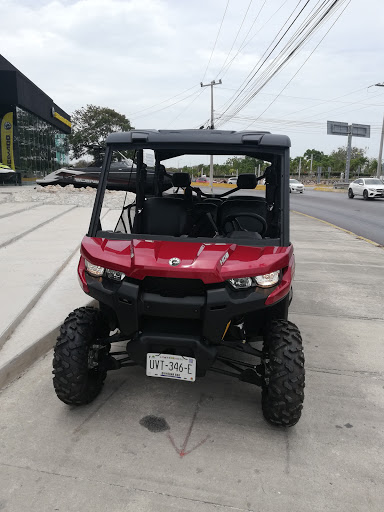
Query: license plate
(171, 367)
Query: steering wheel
(235, 223)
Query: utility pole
(311, 163)
(379, 168)
(212, 127)
(379, 171)
(349, 150)
(299, 166)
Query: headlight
(372, 189)
(116, 275)
(264, 281)
(268, 280)
(94, 270)
(97, 271)
(241, 283)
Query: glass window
(41, 148)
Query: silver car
(369, 188)
(296, 186)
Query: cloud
(131, 54)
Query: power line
(161, 103)
(269, 72)
(244, 44)
(200, 92)
(250, 75)
(168, 106)
(217, 37)
(303, 64)
(343, 106)
(314, 19)
(237, 35)
(325, 101)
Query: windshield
(294, 181)
(157, 195)
(373, 181)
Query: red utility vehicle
(185, 280)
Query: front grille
(173, 287)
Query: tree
(91, 125)
(82, 163)
(341, 153)
(317, 155)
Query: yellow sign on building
(7, 140)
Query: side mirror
(246, 181)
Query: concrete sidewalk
(101, 457)
(40, 252)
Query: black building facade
(33, 129)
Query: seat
(235, 207)
(162, 216)
(204, 219)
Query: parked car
(295, 186)
(202, 179)
(369, 188)
(232, 181)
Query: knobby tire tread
(74, 382)
(283, 390)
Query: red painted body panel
(212, 263)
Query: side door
(359, 187)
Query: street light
(381, 139)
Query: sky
(146, 59)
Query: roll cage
(168, 144)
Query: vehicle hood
(211, 263)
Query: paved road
(365, 218)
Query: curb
(15, 367)
(341, 229)
(7, 333)
(326, 189)
(21, 362)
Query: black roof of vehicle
(159, 137)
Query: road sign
(337, 128)
(361, 130)
(355, 130)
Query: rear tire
(78, 368)
(284, 379)
(351, 195)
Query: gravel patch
(55, 194)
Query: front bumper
(376, 193)
(203, 314)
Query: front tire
(78, 368)
(284, 379)
(365, 195)
(351, 195)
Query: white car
(295, 186)
(369, 188)
(232, 181)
